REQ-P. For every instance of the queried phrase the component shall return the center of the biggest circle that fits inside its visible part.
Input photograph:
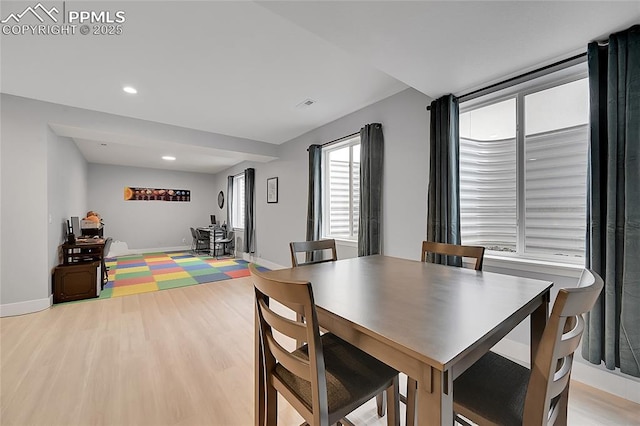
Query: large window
(341, 189)
(523, 164)
(237, 206)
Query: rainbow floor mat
(159, 271)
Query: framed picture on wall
(272, 190)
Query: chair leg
(393, 399)
(381, 402)
(271, 405)
(562, 406)
(412, 386)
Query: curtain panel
(249, 203)
(371, 162)
(314, 200)
(443, 213)
(612, 332)
(229, 201)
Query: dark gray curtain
(249, 219)
(229, 201)
(371, 159)
(314, 201)
(612, 333)
(443, 213)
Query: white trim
(347, 243)
(28, 307)
(346, 142)
(155, 250)
(262, 262)
(532, 265)
(592, 375)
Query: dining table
(426, 320)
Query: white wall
(145, 225)
(31, 155)
(26, 197)
(406, 130)
(66, 189)
(405, 124)
(24, 278)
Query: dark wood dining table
(428, 321)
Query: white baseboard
(262, 262)
(156, 250)
(583, 372)
(28, 307)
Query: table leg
(435, 399)
(412, 386)
(538, 323)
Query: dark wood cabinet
(83, 250)
(76, 281)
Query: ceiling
(242, 68)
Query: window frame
(519, 92)
(347, 141)
(234, 202)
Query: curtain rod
(338, 140)
(522, 77)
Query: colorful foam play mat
(147, 272)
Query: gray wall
(24, 203)
(150, 224)
(36, 167)
(31, 155)
(405, 124)
(66, 189)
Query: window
(523, 170)
(341, 189)
(237, 206)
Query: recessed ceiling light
(129, 89)
(168, 158)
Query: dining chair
(321, 251)
(496, 390)
(315, 252)
(325, 379)
(200, 241)
(105, 253)
(194, 239)
(475, 252)
(204, 240)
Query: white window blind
(341, 197)
(555, 190)
(523, 187)
(238, 202)
(488, 193)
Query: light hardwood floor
(174, 357)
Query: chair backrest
(298, 296)
(193, 233)
(551, 368)
(476, 252)
(231, 235)
(107, 247)
(201, 235)
(314, 252)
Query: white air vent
(306, 103)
